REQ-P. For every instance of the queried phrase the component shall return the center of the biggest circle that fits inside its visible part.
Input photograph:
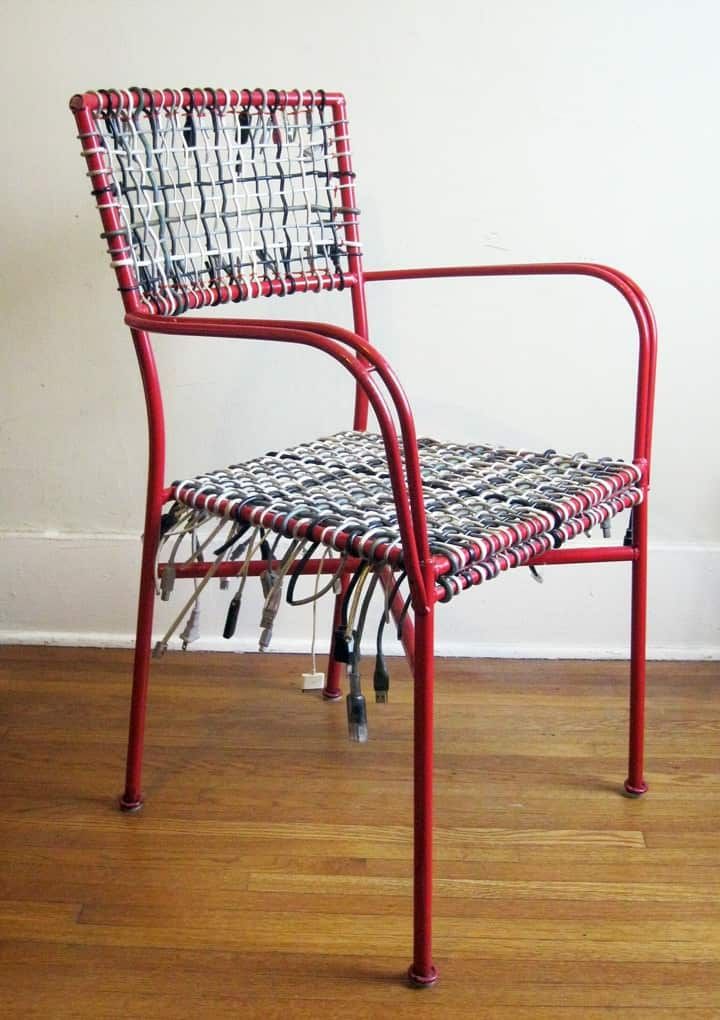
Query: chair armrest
(633, 295)
(367, 365)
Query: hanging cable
(236, 533)
(274, 592)
(381, 676)
(355, 701)
(299, 570)
(177, 525)
(341, 643)
(315, 680)
(328, 552)
(191, 630)
(200, 547)
(234, 607)
(167, 576)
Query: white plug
(192, 627)
(167, 582)
(313, 681)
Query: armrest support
(633, 295)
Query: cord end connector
(169, 519)
(232, 616)
(313, 681)
(357, 718)
(167, 582)
(267, 581)
(192, 628)
(270, 611)
(341, 647)
(381, 680)
(265, 639)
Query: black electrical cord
(341, 645)
(234, 606)
(296, 572)
(355, 701)
(358, 631)
(299, 568)
(381, 676)
(236, 535)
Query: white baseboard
(80, 589)
(445, 649)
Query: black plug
(169, 519)
(232, 616)
(357, 717)
(341, 648)
(381, 680)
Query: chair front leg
(422, 972)
(635, 784)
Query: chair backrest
(215, 195)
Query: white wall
(482, 132)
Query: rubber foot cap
(130, 806)
(635, 791)
(331, 695)
(422, 980)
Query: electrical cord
(298, 571)
(256, 540)
(274, 593)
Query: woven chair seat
(488, 508)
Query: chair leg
(332, 691)
(422, 972)
(635, 784)
(132, 798)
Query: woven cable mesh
(217, 199)
(488, 508)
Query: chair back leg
(132, 799)
(635, 784)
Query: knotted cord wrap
(488, 508)
(221, 195)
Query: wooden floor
(269, 874)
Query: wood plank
(269, 874)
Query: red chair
(209, 196)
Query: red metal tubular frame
(639, 305)
(635, 784)
(278, 98)
(255, 568)
(367, 370)
(378, 387)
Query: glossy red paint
(256, 567)
(376, 386)
(595, 554)
(639, 305)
